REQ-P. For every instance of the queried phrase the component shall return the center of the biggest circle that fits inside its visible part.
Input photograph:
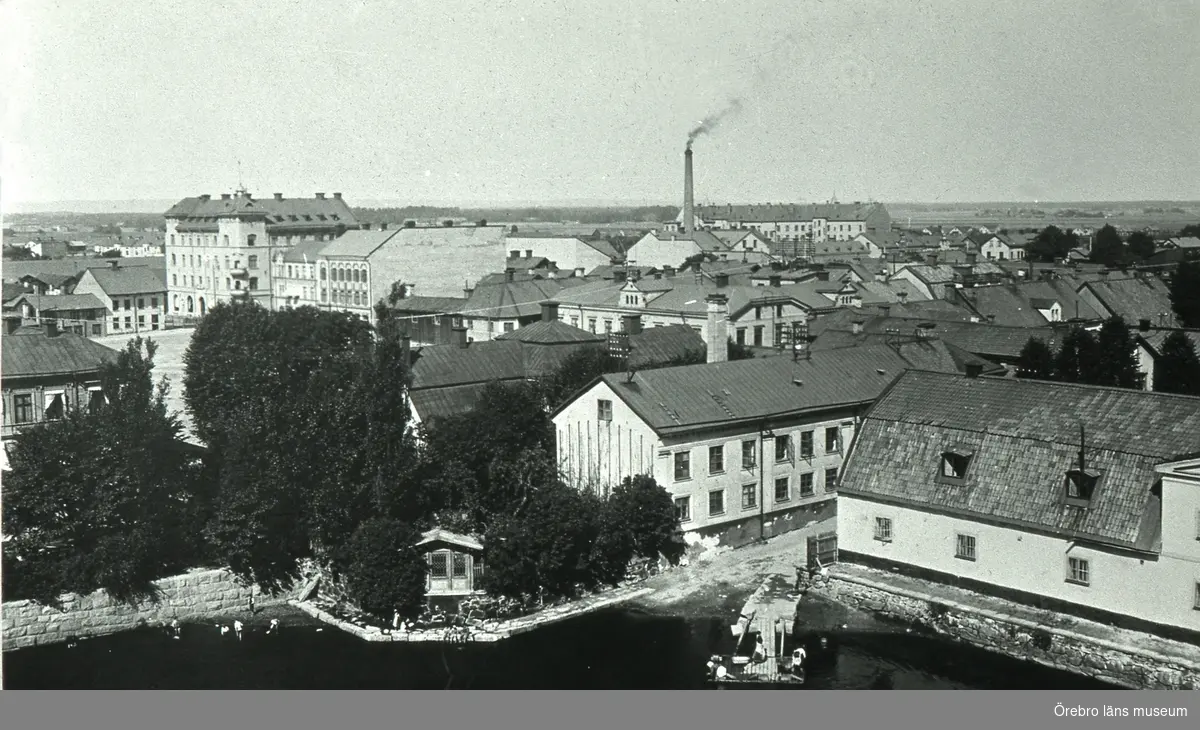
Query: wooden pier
(762, 656)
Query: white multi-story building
(813, 223)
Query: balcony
(239, 273)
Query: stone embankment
(1128, 659)
(193, 596)
(485, 631)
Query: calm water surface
(616, 649)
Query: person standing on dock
(237, 629)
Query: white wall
(566, 252)
(651, 251)
(1160, 590)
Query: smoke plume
(710, 122)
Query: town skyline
(848, 101)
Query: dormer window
(955, 463)
(1080, 486)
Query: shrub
(384, 569)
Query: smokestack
(509, 274)
(114, 264)
(718, 326)
(279, 196)
(549, 311)
(689, 214)
(632, 323)
(459, 335)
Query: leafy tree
(384, 568)
(1116, 356)
(648, 512)
(1177, 369)
(1141, 244)
(1185, 293)
(105, 497)
(1108, 249)
(1191, 230)
(1036, 360)
(112, 253)
(1052, 244)
(1076, 358)
(544, 550)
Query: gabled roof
(479, 362)
(14, 270)
(705, 240)
(931, 275)
(1017, 304)
(980, 338)
(429, 305)
(551, 333)
(922, 354)
(680, 399)
(513, 299)
(873, 292)
(61, 302)
(437, 534)
(305, 252)
(12, 291)
(1024, 435)
(329, 212)
(1135, 298)
(358, 243)
(657, 345)
(36, 354)
(1154, 339)
(52, 279)
(130, 280)
(938, 310)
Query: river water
(614, 649)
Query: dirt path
(722, 583)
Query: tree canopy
(1177, 369)
(1036, 360)
(1141, 245)
(1108, 248)
(1185, 293)
(1052, 244)
(1076, 358)
(1116, 356)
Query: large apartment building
(808, 223)
(221, 248)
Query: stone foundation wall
(192, 596)
(747, 530)
(1018, 638)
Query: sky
(519, 102)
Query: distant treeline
(587, 216)
(110, 221)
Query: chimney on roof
(52, 328)
(279, 196)
(718, 326)
(383, 226)
(459, 335)
(114, 264)
(1143, 325)
(320, 196)
(225, 196)
(337, 196)
(509, 274)
(11, 324)
(902, 296)
(619, 274)
(991, 318)
(931, 259)
(631, 323)
(406, 347)
(722, 280)
(776, 280)
(949, 292)
(972, 257)
(856, 326)
(886, 309)
(689, 216)
(549, 311)
(206, 196)
(668, 271)
(974, 370)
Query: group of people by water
(237, 628)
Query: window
(23, 407)
(749, 496)
(141, 320)
(460, 565)
(783, 448)
(128, 322)
(154, 302)
(831, 480)
(806, 485)
(175, 279)
(508, 326)
(683, 465)
(778, 310)
(117, 322)
(716, 502)
(437, 565)
(954, 465)
(128, 304)
(758, 336)
(1080, 485)
(95, 398)
(604, 410)
(716, 459)
(741, 335)
(832, 440)
(55, 406)
(253, 262)
(1196, 602)
(591, 324)
(1078, 571)
(758, 312)
(964, 547)
(683, 509)
(783, 489)
(173, 262)
(749, 461)
(883, 529)
(806, 444)
(250, 239)
(253, 283)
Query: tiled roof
(437, 534)
(444, 402)
(513, 299)
(130, 280)
(329, 212)
(887, 292)
(933, 275)
(787, 212)
(63, 302)
(14, 270)
(36, 354)
(479, 362)
(922, 354)
(980, 338)
(657, 345)
(1024, 435)
(1016, 305)
(305, 252)
(679, 399)
(1154, 339)
(52, 279)
(551, 333)
(1135, 298)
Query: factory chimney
(689, 213)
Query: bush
(384, 568)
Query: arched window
(354, 277)
(322, 273)
(202, 308)
(190, 305)
(176, 302)
(226, 239)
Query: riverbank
(1115, 656)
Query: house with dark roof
(1030, 303)
(81, 314)
(1150, 345)
(747, 448)
(1032, 491)
(49, 283)
(135, 296)
(1132, 298)
(995, 247)
(222, 249)
(745, 245)
(47, 372)
(447, 379)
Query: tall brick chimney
(718, 328)
(549, 311)
(689, 213)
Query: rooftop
(315, 212)
(1135, 298)
(34, 353)
(130, 280)
(771, 212)
(62, 302)
(1023, 436)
